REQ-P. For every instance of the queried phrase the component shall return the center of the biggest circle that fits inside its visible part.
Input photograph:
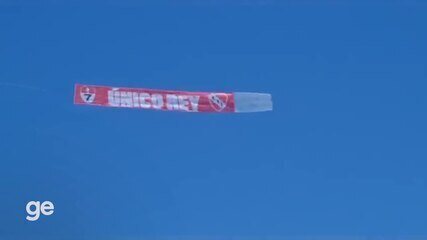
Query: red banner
(153, 99)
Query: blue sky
(343, 152)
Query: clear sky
(343, 152)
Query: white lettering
(114, 98)
(46, 208)
(172, 102)
(194, 100)
(126, 99)
(143, 97)
(183, 103)
(135, 98)
(157, 101)
(33, 215)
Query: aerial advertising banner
(123, 97)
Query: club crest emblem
(87, 94)
(218, 101)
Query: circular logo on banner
(87, 94)
(218, 101)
